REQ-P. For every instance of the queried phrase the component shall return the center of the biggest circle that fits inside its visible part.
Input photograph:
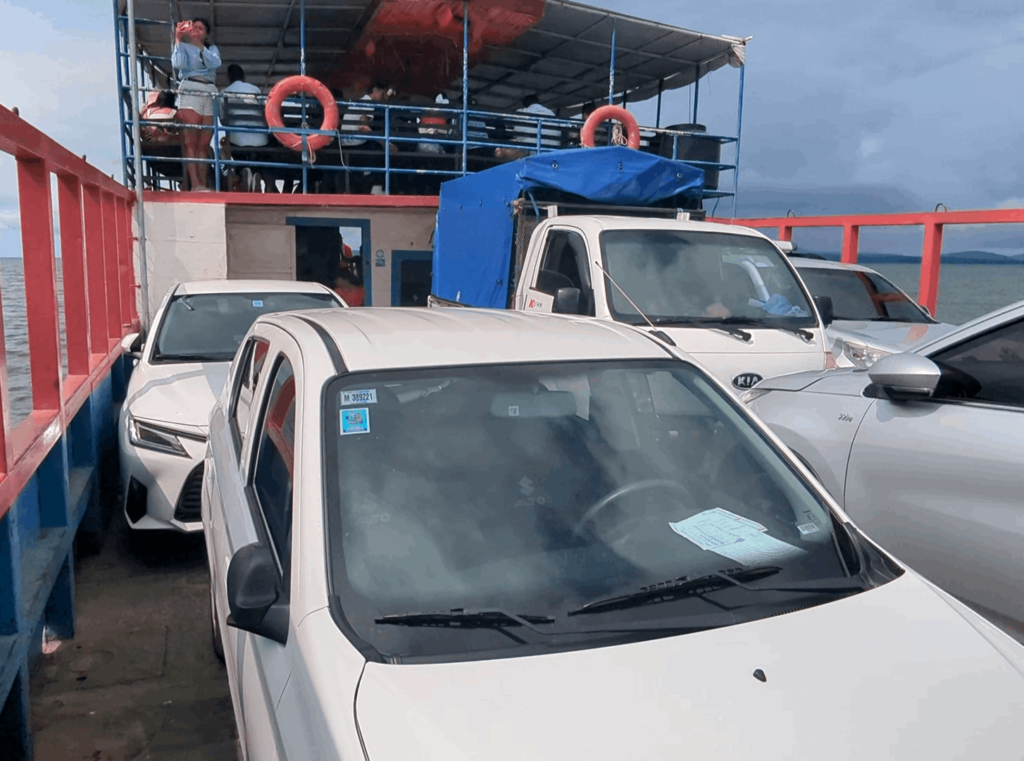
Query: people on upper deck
(196, 63)
(160, 106)
(525, 134)
(370, 153)
(240, 107)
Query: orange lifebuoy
(603, 114)
(290, 86)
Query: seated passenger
(240, 107)
(159, 107)
(526, 134)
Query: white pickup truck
(725, 294)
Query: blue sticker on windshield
(355, 421)
(257, 303)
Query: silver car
(872, 317)
(924, 450)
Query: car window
(274, 468)
(473, 489)
(565, 266)
(989, 368)
(683, 276)
(860, 295)
(209, 327)
(248, 378)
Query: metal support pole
(611, 71)
(739, 132)
(302, 71)
(140, 210)
(465, 83)
(657, 120)
(118, 40)
(696, 95)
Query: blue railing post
(611, 70)
(216, 142)
(696, 95)
(120, 94)
(302, 71)
(657, 119)
(739, 130)
(465, 83)
(387, 151)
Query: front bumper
(161, 490)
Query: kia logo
(746, 380)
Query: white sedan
(177, 377)
(924, 450)
(468, 534)
(871, 316)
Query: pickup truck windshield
(465, 501)
(688, 276)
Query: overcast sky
(849, 106)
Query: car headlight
(755, 393)
(862, 356)
(149, 436)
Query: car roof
(404, 337)
(824, 264)
(196, 287)
(612, 222)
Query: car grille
(190, 501)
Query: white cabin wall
(184, 241)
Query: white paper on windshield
(734, 537)
(807, 528)
(363, 396)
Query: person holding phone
(197, 64)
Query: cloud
(1011, 203)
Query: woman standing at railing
(197, 65)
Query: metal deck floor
(140, 680)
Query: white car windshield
(860, 295)
(209, 327)
(699, 277)
(549, 492)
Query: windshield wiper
(468, 619)
(760, 323)
(687, 587)
(715, 323)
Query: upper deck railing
(403, 154)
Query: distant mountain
(954, 258)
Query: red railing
(96, 243)
(933, 223)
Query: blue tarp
(473, 239)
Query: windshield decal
(257, 303)
(362, 396)
(355, 421)
(807, 528)
(734, 537)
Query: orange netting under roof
(415, 46)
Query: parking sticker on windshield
(363, 396)
(257, 303)
(734, 537)
(355, 421)
(807, 528)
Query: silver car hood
(894, 337)
(892, 673)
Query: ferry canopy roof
(555, 49)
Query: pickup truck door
(564, 263)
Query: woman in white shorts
(197, 64)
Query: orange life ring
(290, 86)
(603, 114)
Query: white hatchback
(177, 377)
(469, 534)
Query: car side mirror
(567, 301)
(905, 376)
(825, 309)
(254, 594)
(132, 344)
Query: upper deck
(461, 71)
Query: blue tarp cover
(473, 239)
